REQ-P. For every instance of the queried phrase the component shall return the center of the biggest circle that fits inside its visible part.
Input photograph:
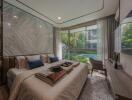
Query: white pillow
(33, 58)
(51, 55)
(20, 57)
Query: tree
(127, 36)
(64, 38)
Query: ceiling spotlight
(9, 24)
(40, 26)
(59, 18)
(15, 16)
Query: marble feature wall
(24, 33)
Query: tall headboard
(10, 62)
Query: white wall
(126, 60)
(125, 7)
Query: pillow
(20, 62)
(33, 58)
(35, 64)
(53, 59)
(45, 58)
(50, 55)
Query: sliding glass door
(80, 44)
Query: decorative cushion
(35, 64)
(20, 62)
(45, 58)
(53, 59)
(50, 55)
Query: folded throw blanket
(54, 73)
(69, 68)
(51, 78)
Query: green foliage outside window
(74, 44)
(127, 36)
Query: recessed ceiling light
(40, 26)
(15, 16)
(59, 18)
(9, 24)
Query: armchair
(97, 65)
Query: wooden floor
(3, 93)
(95, 89)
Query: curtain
(57, 43)
(106, 37)
(102, 50)
(112, 24)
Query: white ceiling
(66, 9)
(71, 11)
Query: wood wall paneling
(1, 38)
(1, 27)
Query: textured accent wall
(24, 33)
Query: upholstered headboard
(9, 62)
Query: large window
(80, 44)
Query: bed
(27, 87)
(12, 73)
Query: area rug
(96, 88)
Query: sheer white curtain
(58, 43)
(102, 48)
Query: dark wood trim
(63, 21)
(1, 41)
(54, 41)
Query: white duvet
(27, 87)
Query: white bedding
(27, 87)
(13, 72)
(11, 75)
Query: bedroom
(65, 40)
